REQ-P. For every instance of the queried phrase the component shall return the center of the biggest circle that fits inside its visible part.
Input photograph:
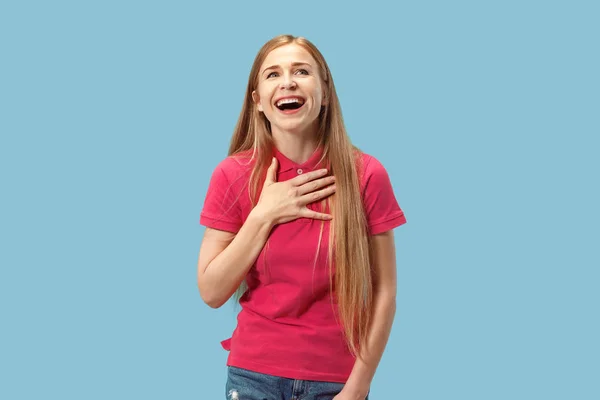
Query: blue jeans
(248, 385)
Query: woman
(299, 223)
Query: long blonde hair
(349, 245)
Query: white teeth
(290, 100)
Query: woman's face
(290, 91)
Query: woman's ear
(256, 100)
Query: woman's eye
(302, 71)
(272, 74)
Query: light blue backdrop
(113, 115)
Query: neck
(297, 148)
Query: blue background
(113, 115)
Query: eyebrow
(294, 64)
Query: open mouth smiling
(289, 104)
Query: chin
(292, 128)
(295, 126)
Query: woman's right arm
(225, 258)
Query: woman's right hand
(286, 201)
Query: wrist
(356, 391)
(261, 216)
(353, 394)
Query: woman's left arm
(384, 309)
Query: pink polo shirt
(287, 325)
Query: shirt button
(299, 171)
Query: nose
(288, 82)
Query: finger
(309, 176)
(315, 185)
(318, 195)
(271, 172)
(307, 213)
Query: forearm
(384, 310)
(226, 271)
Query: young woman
(299, 222)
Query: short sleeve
(382, 209)
(221, 208)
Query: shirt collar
(285, 164)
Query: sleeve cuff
(216, 223)
(389, 223)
